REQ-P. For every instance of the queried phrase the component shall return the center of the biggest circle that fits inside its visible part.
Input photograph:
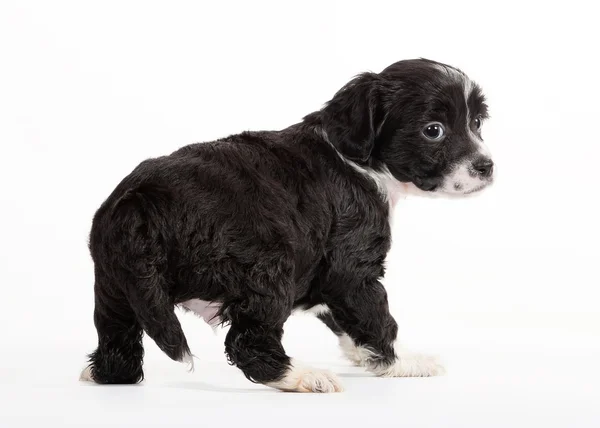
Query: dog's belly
(208, 311)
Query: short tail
(155, 313)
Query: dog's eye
(433, 131)
(478, 122)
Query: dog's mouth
(456, 189)
(428, 184)
(457, 184)
(463, 180)
(476, 189)
(461, 189)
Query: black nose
(483, 166)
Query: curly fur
(262, 223)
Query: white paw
(409, 364)
(307, 379)
(86, 375)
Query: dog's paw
(410, 364)
(86, 375)
(307, 379)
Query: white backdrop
(503, 286)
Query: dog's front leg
(368, 334)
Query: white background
(504, 287)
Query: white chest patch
(208, 311)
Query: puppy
(249, 228)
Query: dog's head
(419, 119)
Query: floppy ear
(351, 118)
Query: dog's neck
(390, 189)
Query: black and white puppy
(249, 228)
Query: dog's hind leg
(120, 321)
(118, 358)
(128, 244)
(253, 342)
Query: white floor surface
(540, 383)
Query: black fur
(266, 222)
